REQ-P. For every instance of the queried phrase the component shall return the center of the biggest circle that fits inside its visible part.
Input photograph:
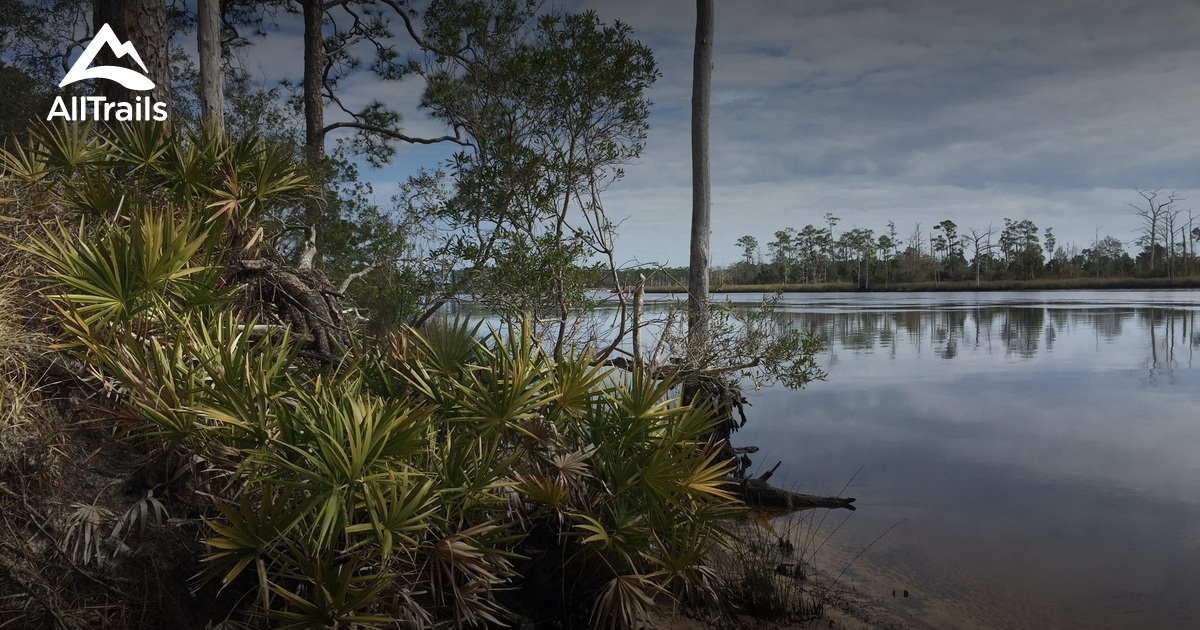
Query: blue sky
(909, 111)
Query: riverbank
(1048, 284)
(835, 587)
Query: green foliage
(244, 192)
(552, 105)
(812, 259)
(413, 484)
(415, 481)
(130, 269)
(358, 236)
(1021, 248)
(756, 343)
(115, 173)
(413, 490)
(26, 99)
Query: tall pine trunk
(314, 68)
(701, 184)
(314, 113)
(208, 45)
(144, 24)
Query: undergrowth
(194, 464)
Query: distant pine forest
(944, 257)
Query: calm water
(1039, 451)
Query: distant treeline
(1018, 255)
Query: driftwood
(759, 493)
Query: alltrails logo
(98, 107)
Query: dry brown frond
(83, 539)
(465, 575)
(572, 467)
(625, 602)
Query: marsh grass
(766, 573)
(781, 567)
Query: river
(1020, 459)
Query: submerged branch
(759, 493)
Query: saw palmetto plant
(102, 172)
(417, 480)
(611, 471)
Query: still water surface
(1040, 452)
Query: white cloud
(886, 110)
(919, 111)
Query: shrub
(413, 481)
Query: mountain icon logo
(106, 37)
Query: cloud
(880, 111)
(919, 111)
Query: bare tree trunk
(144, 24)
(314, 109)
(701, 184)
(208, 44)
(759, 493)
(314, 68)
(639, 295)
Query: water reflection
(1041, 451)
(1019, 331)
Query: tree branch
(356, 275)
(429, 312)
(759, 493)
(395, 135)
(310, 249)
(412, 31)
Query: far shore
(1051, 284)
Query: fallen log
(759, 493)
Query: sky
(912, 111)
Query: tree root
(302, 299)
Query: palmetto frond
(624, 602)
(251, 532)
(379, 489)
(68, 146)
(137, 146)
(324, 593)
(120, 272)
(578, 384)
(98, 171)
(401, 509)
(465, 573)
(572, 467)
(447, 346)
(26, 163)
(83, 540)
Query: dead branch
(355, 276)
(759, 493)
(35, 594)
(767, 475)
(639, 296)
(310, 249)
